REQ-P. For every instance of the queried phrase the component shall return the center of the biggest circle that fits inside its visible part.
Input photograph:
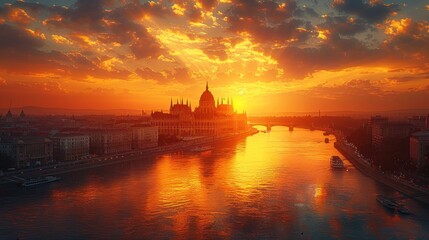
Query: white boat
(336, 162)
(393, 205)
(201, 148)
(403, 210)
(40, 180)
(388, 203)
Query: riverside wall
(418, 193)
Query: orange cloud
(259, 46)
(61, 40)
(19, 16)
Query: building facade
(419, 122)
(208, 119)
(27, 151)
(70, 147)
(110, 141)
(382, 129)
(144, 136)
(419, 149)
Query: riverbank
(413, 191)
(67, 167)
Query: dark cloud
(24, 56)
(409, 38)
(407, 78)
(306, 12)
(344, 26)
(18, 40)
(22, 51)
(268, 21)
(335, 54)
(15, 14)
(374, 12)
(262, 12)
(116, 25)
(194, 14)
(179, 74)
(407, 45)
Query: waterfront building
(144, 136)
(378, 120)
(70, 146)
(382, 129)
(419, 149)
(108, 141)
(391, 130)
(208, 119)
(27, 151)
(427, 122)
(419, 122)
(377, 123)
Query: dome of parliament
(207, 96)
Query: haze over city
(214, 119)
(269, 56)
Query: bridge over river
(269, 125)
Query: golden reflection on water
(318, 192)
(278, 182)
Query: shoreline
(105, 160)
(415, 192)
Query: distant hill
(32, 110)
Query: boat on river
(388, 203)
(337, 163)
(201, 148)
(326, 140)
(39, 180)
(393, 205)
(403, 210)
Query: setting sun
(289, 57)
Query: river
(275, 185)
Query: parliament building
(208, 119)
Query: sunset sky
(269, 56)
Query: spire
(182, 101)
(177, 101)
(171, 103)
(186, 102)
(232, 104)
(207, 85)
(9, 114)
